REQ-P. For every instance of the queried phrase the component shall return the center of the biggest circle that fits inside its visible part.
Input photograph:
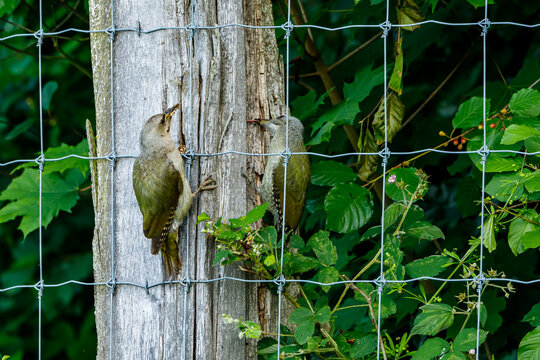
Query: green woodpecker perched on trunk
(162, 189)
(298, 172)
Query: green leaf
(529, 347)
(431, 348)
(330, 173)
(268, 236)
(202, 217)
(348, 207)
(532, 181)
(470, 113)
(406, 178)
(531, 240)
(58, 194)
(489, 233)
(81, 149)
(323, 135)
(220, 255)
(396, 80)
(6, 7)
(305, 106)
(395, 111)
(340, 114)
(423, 230)
(466, 194)
(20, 128)
(409, 13)
(47, 93)
(515, 133)
(367, 164)
(393, 214)
(533, 316)
(323, 247)
(433, 319)
(526, 102)
(453, 356)
(466, 340)
(504, 187)
(479, 3)
(252, 216)
(300, 315)
(364, 346)
(297, 264)
(388, 307)
(323, 314)
(518, 228)
(364, 81)
(428, 266)
(327, 275)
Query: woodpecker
(298, 172)
(162, 189)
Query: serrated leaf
(433, 319)
(526, 102)
(532, 181)
(340, 114)
(423, 230)
(304, 330)
(330, 173)
(388, 307)
(395, 111)
(307, 105)
(323, 248)
(529, 347)
(58, 194)
(504, 187)
(431, 348)
(409, 13)
(518, 228)
(348, 207)
(268, 236)
(533, 316)
(297, 264)
(364, 346)
(300, 314)
(220, 255)
(323, 314)
(323, 135)
(470, 113)
(466, 340)
(254, 214)
(515, 133)
(327, 275)
(364, 81)
(81, 149)
(489, 233)
(428, 266)
(393, 214)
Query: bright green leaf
(330, 173)
(533, 316)
(254, 214)
(532, 181)
(518, 228)
(526, 102)
(531, 239)
(327, 275)
(348, 207)
(431, 348)
(515, 133)
(428, 266)
(323, 314)
(504, 187)
(489, 233)
(529, 347)
(406, 178)
(423, 230)
(466, 340)
(307, 105)
(433, 319)
(470, 113)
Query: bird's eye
(162, 119)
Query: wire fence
(191, 153)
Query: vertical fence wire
(286, 154)
(41, 164)
(112, 163)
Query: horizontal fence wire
(280, 281)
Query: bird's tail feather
(171, 258)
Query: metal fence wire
(191, 153)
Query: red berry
(455, 142)
(492, 125)
(460, 147)
(463, 141)
(503, 128)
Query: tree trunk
(237, 75)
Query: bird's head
(156, 130)
(279, 124)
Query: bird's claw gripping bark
(207, 184)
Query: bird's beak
(259, 121)
(169, 113)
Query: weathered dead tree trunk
(237, 74)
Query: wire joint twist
(138, 29)
(288, 27)
(484, 153)
(39, 36)
(380, 282)
(385, 155)
(280, 282)
(484, 24)
(111, 157)
(186, 283)
(111, 284)
(191, 30)
(40, 161)
(386, 27)
(189, 156)
(111, 31)
(39, 288)
(479, 281)
(285, 154)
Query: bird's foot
(182, 149)
(207, 184)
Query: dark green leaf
(323, 314)
(330, 173)
(529, 347)
(268, 235)
(323, 247)
(388, 307)
(348, 207)
(467, 192)
(406, 178)
(431, 348)
(364, 346)
(533, 316)
(297, 264)
(423, 230)
(48, 91)
(466, 340)
(367, 164)
(470, 113)
(307, 105)
(428, 266)
(526, 102)
(364, 81)
(304, 331)
(20, 128)
(323, 135)
(433, 319)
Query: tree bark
(237, 74)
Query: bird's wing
(298, 173)
(157, 186)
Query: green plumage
(162, 190)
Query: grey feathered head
(279, 124)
